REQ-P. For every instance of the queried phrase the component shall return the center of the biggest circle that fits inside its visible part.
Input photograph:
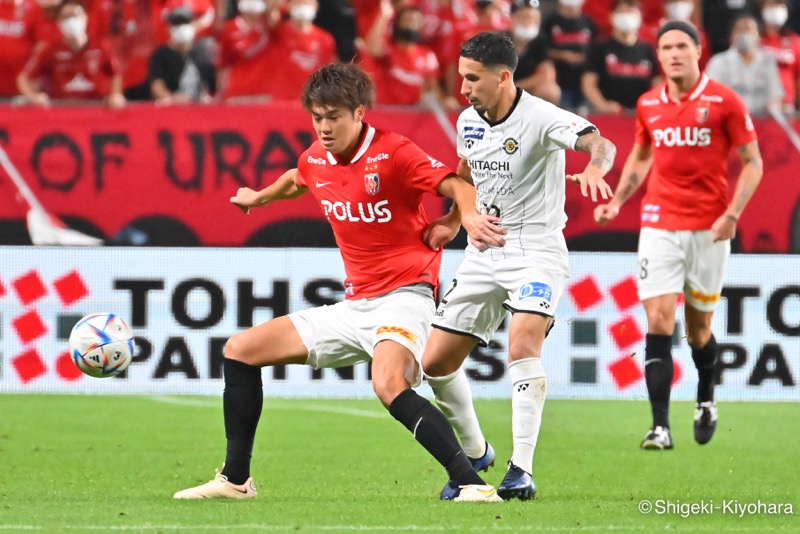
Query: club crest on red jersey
(701, 114)
(372, 183)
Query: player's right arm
(444, 229)
(633, 174)
(285, 187)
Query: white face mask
(571, 3)
(303, 12)
(255, 7)
(745, 42)
(74, 27)
(775, 15)
(183, 34)
(679, 10)
(526, 33)
(626, 22)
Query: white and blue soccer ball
(101, 345)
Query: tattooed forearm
(601, 149)
(603, 154)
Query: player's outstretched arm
(749, 178)
(633, 174)
(444, 229)
(602, 153)
(482, 229)
(284, 187)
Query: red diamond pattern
(585, 293)
(29, 326)
(29, 365)
(66, 368)
(676, 373)
(29, 287)
(625, 371)
(625, 332)
(2, 289)
(624, 293)
(70, 288)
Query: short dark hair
(491, 49)
(339, 84)
(66, 3)
(679, 25)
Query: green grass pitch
(95, 464)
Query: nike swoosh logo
(323, 184)
(651, 120)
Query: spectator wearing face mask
(403, 68)
(296, 49)
(243, 64)
(784, 45)
(535, 72)
(680, 10)
(180, 73)
(747, 69)
(203, 12)
(569, 35)
(17, 38)
(72, 67)
(621, 68)
(718, 18)
(651, 11)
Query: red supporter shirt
(400, 75)
(243, 51)
(690, 140)
(786, 49)
(17, 20)
(295, 56)
(74, 74)
(130, 26)
(374, 205)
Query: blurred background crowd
(596, 56)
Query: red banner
(170, 171)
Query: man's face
(337, 127)
(481, 85)
(678, 54)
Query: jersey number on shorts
(452, 287)
(643, 268)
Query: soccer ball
(101, 345)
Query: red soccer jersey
(400, 75)
(243, 51)
(786, 49)
(74, 74)
(690, 140)
(374, 205)
(295, 56)
(16, 42)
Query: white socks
(454, 398)
(529, 387)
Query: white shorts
(482, 290)
(346, 333)
(682, 261)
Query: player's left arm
(749, 178)
(602, 153)
(480, 228)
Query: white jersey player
(511, 146)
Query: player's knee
(234, 348)
(697, 338)
(387, 390)
(438, 368)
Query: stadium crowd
(589, 57)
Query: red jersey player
(369, 183)
(685, 129)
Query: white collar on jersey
(363, 148)
(701, 85)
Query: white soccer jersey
(517, 165)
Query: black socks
(241, 403)
(432, 430)
(658, 372)
(705, 360)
